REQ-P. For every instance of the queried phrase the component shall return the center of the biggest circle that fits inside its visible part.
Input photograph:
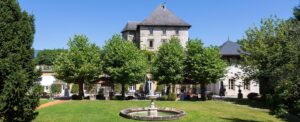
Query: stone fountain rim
(178, 114)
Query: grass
(43, 101)
(108, 111)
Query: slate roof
(230, 48)
(130, 26)
(161, 16)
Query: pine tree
(297, 12)
(19, 94)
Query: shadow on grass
(238, 120)
(252, 103)
(255, 104)
(292, 118)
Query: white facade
(48, 79)
(234, 77)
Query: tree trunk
(265, 87)
(123, 91)
(168, 89)
(203, 90)
(81, 92)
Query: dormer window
(150, 31)
(177, 31)
(164, 31)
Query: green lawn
(108, 111)
(43, 101)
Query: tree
(74, 89)
(19, 94)
(269, 53)
(274, 54)
(55, 88)
(297, 12)
(47, 57)
(203, 65)
(80, 64)
(124, 62)
(168, 65)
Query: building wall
(234, 72)
(158, 36)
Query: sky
(213, 21)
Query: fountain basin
(142, 114)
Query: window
(231, 84)
(246, 85)
(151, 43)
(150, 31)
(163, 41)
(177, 31)
(164, 31)
(132, 87)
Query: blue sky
(212, 20)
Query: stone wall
(158, 36)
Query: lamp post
(240, 94)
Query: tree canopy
(168, 64)
(19, 91)
(270, 52)
(80, 64)
(203, 64)
(273, 54)
(124, 62)
(47, 56)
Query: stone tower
(157, 29)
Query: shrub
(281, 111)
(297, 107)
(100, 97)
(194, 98)
(159, 88)
(55, 88)
(75, 88)
(117, 97)
(87, 98)
(113, 98)
(129, 98)
(45, 95)
(172, 97)
(209, 95)
(76, 97)
(163, 98)
(117, 88)
(252, 96)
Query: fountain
(152, 113)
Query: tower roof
(130, 26)
(230, 48)
(161, 16)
